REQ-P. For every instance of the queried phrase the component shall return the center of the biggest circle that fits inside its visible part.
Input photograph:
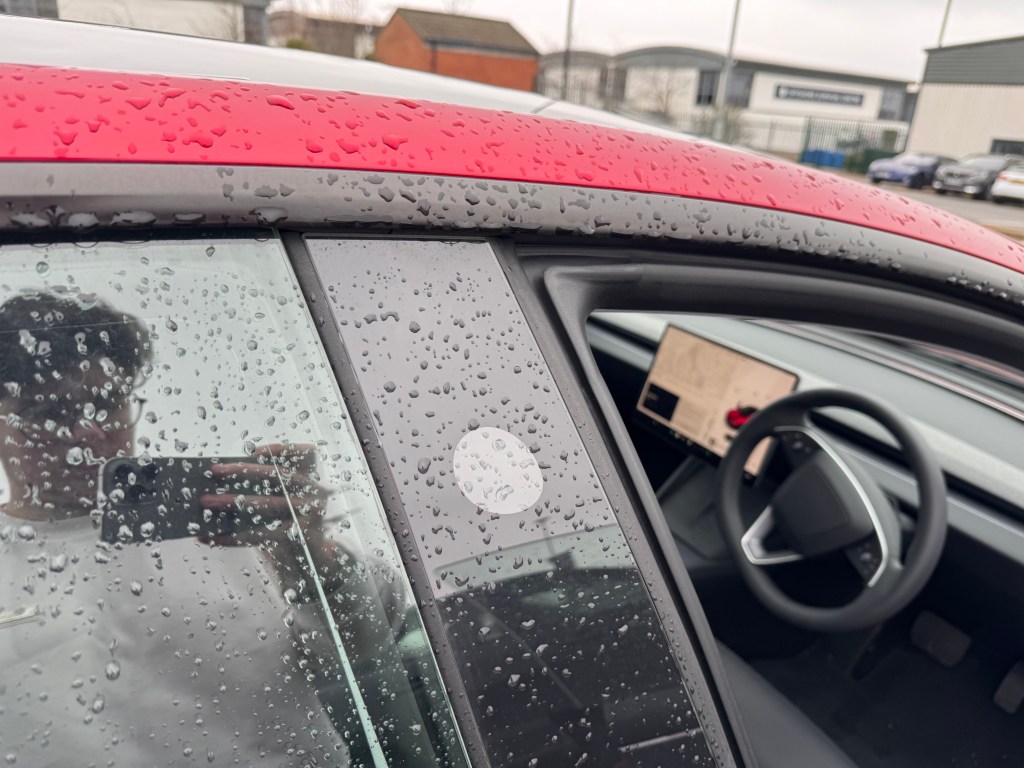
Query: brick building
(484, 50)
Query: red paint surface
(56, 114)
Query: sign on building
(801, 93)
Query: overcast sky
(885, 37)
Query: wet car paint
(81, 116)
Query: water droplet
(261, 633)
(58, 563)
(423, 466)
(98, 703)
(26, 532)
(112, 670)
(135, 587)
(268, 216)
(42, 267)
(279, 101)
(75, 456)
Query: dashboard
(974, 443)
(702, 392)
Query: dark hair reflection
(69, 367)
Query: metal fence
(846, 144)
(851, 145)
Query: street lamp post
(945, 18)
(723, 80)
(566, 53)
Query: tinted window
(194, 566)
(891, 105)
(985, 162)
(738, 89)
(564, 656)
(707, 84)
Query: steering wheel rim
(898, 582)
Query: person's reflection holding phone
(132, 653)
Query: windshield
(985, 162)
(977, 373)
(916, 159)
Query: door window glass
(194, 565)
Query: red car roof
(74, 115)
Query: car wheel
(874, 180)
(983, 195)
(998, 200)
(939, 191)
(914, 182)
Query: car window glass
(195, 565)
(985, 162)
(564, 657)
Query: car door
(329, 497)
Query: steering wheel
(829, 504)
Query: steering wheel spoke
(754, 542)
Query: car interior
(785, 563)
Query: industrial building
(971, 99)
(771, 106)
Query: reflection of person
(127, 654)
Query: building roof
(986, 62)
(576, 58)
(978, 43)
(449, 29)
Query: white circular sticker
(496, 471)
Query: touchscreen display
(704, 392)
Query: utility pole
(566, 54)
(945, 18)
(723, 79)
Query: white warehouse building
(770, 105)
(972, 100)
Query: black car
(912, 169)
(973, 175)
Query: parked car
(1009, 185)
(911, 169)
(974, 175)
(354, 416)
